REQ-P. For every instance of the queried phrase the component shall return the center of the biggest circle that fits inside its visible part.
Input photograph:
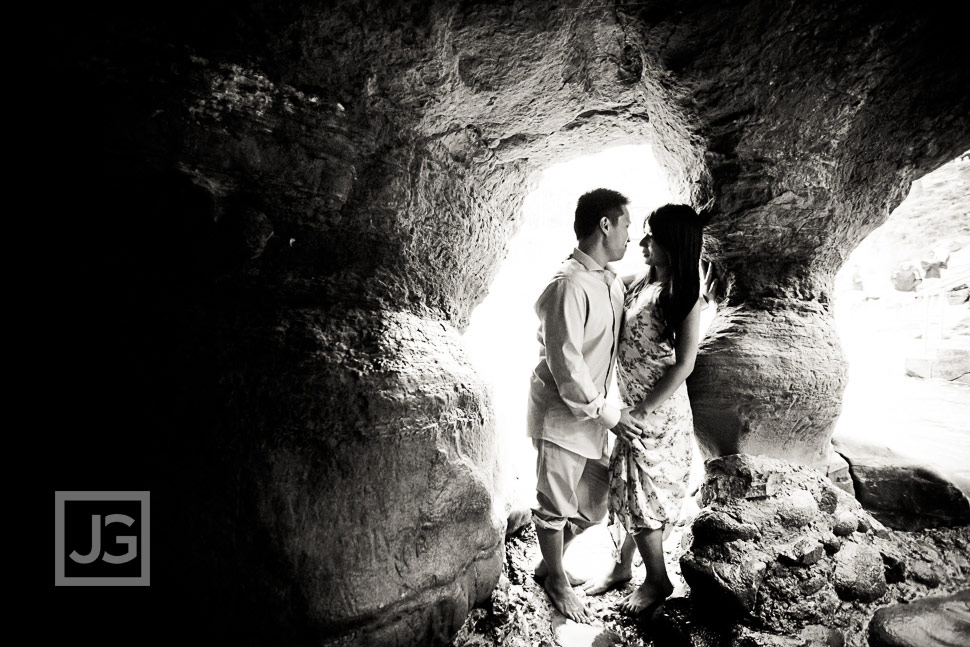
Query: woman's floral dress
(648, 478)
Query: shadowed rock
(901, 492)
(859, 573)
(717, 527)
(938, 621)
(795, 570)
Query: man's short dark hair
(594, 205)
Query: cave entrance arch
(500, 338)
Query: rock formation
(777, 557)
(901, 492)
(932, 621)
(264, 225)
(777, 548)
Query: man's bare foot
(618, 576)
(542, 572)
(566, 601)
(646, 598)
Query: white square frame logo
(60, 497)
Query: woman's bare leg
(657, 586)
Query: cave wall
(812, 120)
(273, 221)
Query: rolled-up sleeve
(563, 308)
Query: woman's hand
(709, 282)
(630, 427)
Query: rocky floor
(882, 406)
(521, 615)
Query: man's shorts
(570, 489)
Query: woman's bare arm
(685, 354)
(628, 279)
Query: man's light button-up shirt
(580, 314)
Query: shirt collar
(586, 261)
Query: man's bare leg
(556, 583)
(621, 573)
(657, 586)
(541, 571)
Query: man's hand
(629, 428)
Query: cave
(271, 221)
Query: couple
(647, 328)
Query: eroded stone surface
(522, 615)
(820, 557)
(859, 573)
(784, 363)
(936, 621)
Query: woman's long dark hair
(677, 229)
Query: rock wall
(272, 221)
(801, 167)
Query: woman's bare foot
(542, 572)
(619, 575)
(646, 598)
(564, 599)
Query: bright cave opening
(903, 317)
(501, 337)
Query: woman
(649, 472)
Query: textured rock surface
(271, 222)
(902, 493)
(778, 547)
(859, 573)
(787, 374)
(521, 615)
(937, 621)
(359, 453)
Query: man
(580, 313)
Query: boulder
(859, 573)
(517, 519)
(718, 527)
(738, 476)
(730, 580)
(845, 524)
(797, 508)
(804, 551)
(937, 621)
(949, 361)
(900, 492)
